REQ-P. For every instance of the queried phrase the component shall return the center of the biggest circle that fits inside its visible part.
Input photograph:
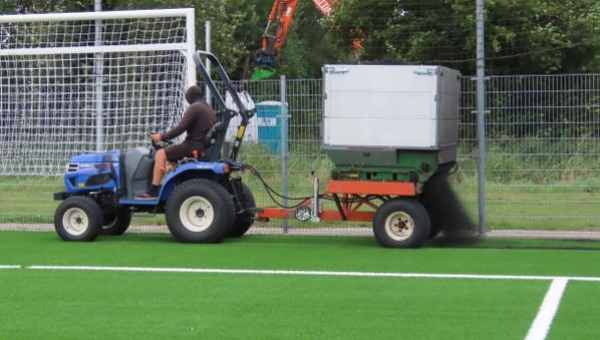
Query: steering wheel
(160, 145)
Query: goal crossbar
(92, 49)
(150, 13)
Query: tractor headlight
(74, 167)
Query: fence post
(284, 148)
(481, 154)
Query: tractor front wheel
(78, 218)
(200, 211)
(401, 223)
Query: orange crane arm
(282, 13)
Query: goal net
(72, 83)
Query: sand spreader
(392, 132)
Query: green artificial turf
(487, 256)
(108, 304)
(578, 315)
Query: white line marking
(541, 325)
(4, 266)
(309, 272)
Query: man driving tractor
(197, 120)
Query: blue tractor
(203, 201)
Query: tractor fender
(214, 167)
(188, 170)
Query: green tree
(236, 29)
(232, 23)
(526, 36)
(44, 6)
(306, 50)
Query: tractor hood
(92, 160)
(92, 171)
(93, 163)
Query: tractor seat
(211, 136)
(211, 139)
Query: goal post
(73, 83)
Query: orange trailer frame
(350, 197)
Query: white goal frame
(26, 147)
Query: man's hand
(156, 137)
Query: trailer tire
(78, 218)
(243, 221)
(401, 223)
(200, 211)
(116, 223)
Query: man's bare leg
(160, 159)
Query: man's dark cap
(194, 94)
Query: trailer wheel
(115, 223)
(200, 211)
(243, 221)
(401, 223)
(78, 218)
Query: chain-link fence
(542, 137)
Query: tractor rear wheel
(78, 218)
(243, 221)
(200, 211)
(401, 223)
(115, 223)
